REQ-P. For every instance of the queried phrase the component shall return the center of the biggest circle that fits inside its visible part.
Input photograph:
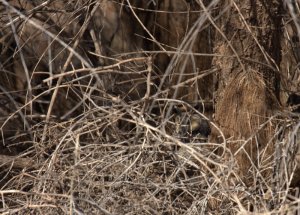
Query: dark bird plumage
(294, 102)
(199, 126)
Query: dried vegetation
(88, 98)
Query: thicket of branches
(89, 99)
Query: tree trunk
(248, 82)
(182, 29)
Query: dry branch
(17, 162)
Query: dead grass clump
(78, 168)
(250, 129)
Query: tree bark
(248, 40)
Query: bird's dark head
(190, 124)
(199, 126)
(294, 102)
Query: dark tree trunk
(173, 30)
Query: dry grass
(96, 134)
